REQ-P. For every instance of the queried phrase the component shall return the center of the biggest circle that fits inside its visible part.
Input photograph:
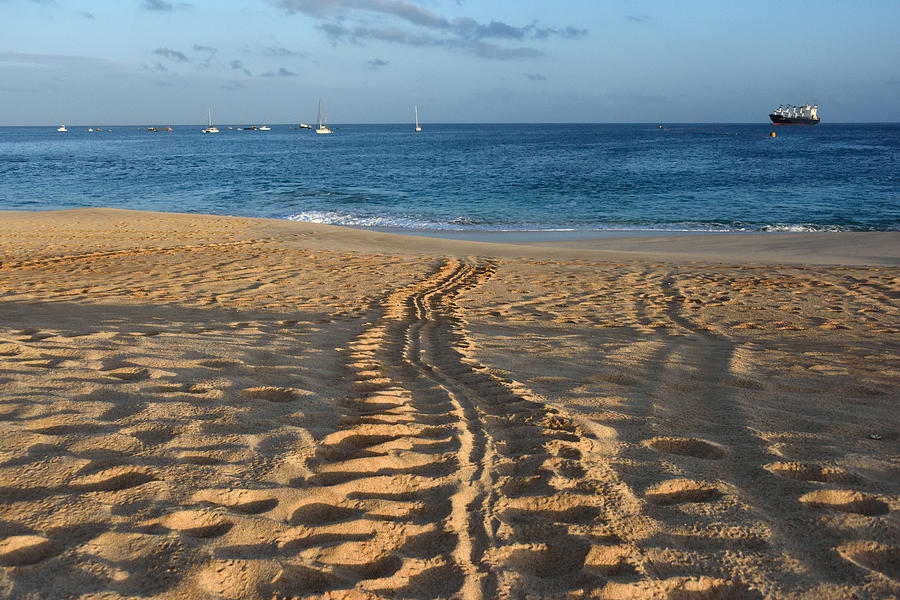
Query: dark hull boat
(779, 120)
(795, 115)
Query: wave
(462, 224)
(346, 220)
(804, 228)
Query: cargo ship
(795, 115)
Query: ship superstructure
(795, 115)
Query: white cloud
(418, 26)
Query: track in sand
(469, 485)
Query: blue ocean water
(685, 177)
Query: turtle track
(468, 485)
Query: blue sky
(268, 61)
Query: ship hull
(779, 120)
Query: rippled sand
(204, 407)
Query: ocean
(475, 178)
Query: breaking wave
(463, 224)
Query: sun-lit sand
(207, 407)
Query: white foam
(804, 228)
(335, 218)
(466, 224)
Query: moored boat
(795, 115)
(209, 127)
(322, 123)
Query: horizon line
(392, 123)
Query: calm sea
(475, 177)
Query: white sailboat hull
(209, 125)
(322, 125)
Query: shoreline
(850, 248)
(199, 406)
(869, 247)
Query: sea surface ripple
(684, 177)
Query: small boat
(322, 125)
(265, 128)
(304, 126)
(62, 129)
(210, 128)
(417, 119)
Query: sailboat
(61, 129)
(322, 126)
(417, 119)
(209, 127)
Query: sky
(165, 62)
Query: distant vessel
(304, 126)
(322, 125)
(417, 119)
(795, 115)
(209, 127)
(265, 128)
(62, 128)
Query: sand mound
(20, 550)
(881, 558)
(809, 472)
(687, 447)
(676, 491)
(846, 501)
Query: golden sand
(209, 407)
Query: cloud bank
(417, 26)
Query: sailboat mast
(322, 118)
(209, 117)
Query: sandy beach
(200, 407)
